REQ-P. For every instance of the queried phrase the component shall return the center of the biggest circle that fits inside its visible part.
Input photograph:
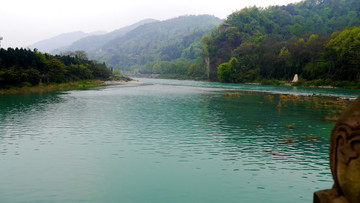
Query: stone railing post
(344, 159)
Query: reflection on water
(160, 143)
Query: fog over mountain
(62, 40)
(26, 22)
(92, 42)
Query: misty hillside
(61, 40)
(158, 41)
(91, 43)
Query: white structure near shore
(296, 78)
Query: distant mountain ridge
(90, 43)
(61, 40)
(169, 47)
(157, 41)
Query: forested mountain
(164, 47)
(92, 43)
(280, 41)
(252, 45)
(61, 40)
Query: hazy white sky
(24, 22)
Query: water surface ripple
(160, 142)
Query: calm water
(163, 141)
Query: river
(166, 141)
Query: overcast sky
(24, 22)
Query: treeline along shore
(25, 70)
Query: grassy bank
(53, 87)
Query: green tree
(57, 70)
(344, 50)
(225, 73)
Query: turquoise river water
(165, 141)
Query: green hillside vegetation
(317, 39)
(23, 67)
(91, 44)
(171, 48)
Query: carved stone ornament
(344, 159)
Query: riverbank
(83, 84)
(320, 83)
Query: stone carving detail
(344, 159)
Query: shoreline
(81, 85)
(276, 92)
(280, 82)
(78, 85)
(114, 82)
